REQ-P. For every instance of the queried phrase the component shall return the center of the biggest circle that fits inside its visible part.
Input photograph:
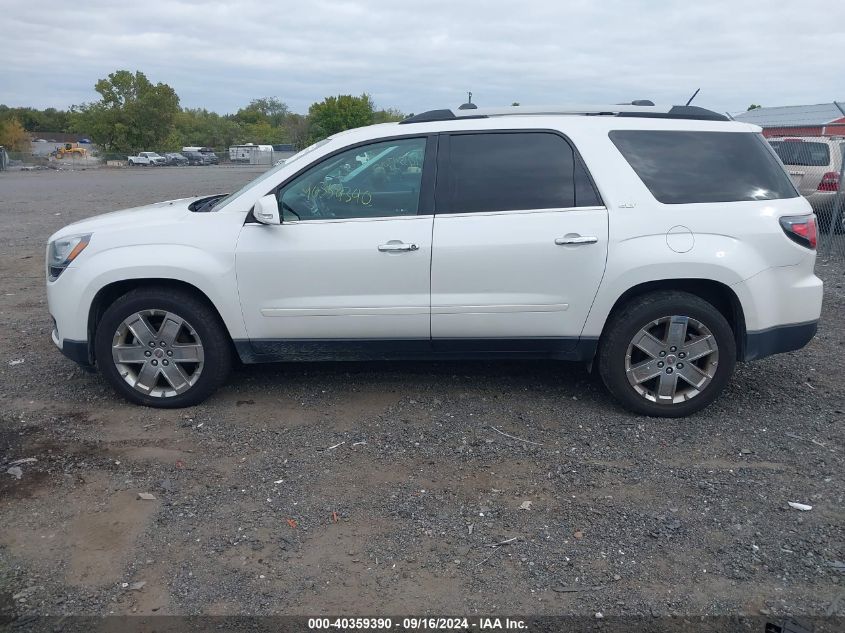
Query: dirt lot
(380, 488)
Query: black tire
(204, 321)
(638, 314)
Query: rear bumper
(781, 308)
(778, 339)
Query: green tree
(132, 114)
(296, 130)
(34, 120)
(203, 128)
(335, 114)
(13, 136)
(389, 115)
(753, 106)
(266, 109)
(263, 133)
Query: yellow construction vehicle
(71, 149)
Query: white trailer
(252, 154)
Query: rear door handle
(569, 241)
(395, 246)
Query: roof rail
(621, 109)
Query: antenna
(693, 96)
(469, 105)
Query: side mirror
(266, 210)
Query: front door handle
(570, 241)
(395, 246)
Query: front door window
(378, 180)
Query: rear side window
(689, 167)
(802, 153)
(515, 171)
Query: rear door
(519, 243)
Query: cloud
(417, 56)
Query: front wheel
(161, 348)
(667, 354)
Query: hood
(158, 214)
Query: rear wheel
(162, 348)
(667, 354)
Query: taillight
(801, 229)
(830, 181)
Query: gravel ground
(382, 488)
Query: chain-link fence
(93, 157)
(831, 217)
(235, 155)
(816, 165)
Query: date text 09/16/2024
(417, 623)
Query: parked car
(146, 158)
(175, 159)
(196, 158)
(659, 245)
(211, 157)
(814, 164)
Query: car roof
(580, 127)
(568, 123)
(640, 108)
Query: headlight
(61, 252)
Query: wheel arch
(109, 293)
(716, 293)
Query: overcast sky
(421, 55)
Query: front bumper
(78, 351)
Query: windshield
(802, 153)
(269, 173)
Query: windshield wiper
(209, 203)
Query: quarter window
(689, 167)
(378, 180)
(514, 171)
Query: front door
(347, 271)
(520, 243)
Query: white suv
(659, 245)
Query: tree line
(133, 114)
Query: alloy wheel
(671, 359)
(158, 353)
